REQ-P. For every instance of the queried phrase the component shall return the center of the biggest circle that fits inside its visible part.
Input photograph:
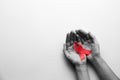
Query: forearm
(103, 69)
(82, 72)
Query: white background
(32, 33)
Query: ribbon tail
(87, 51)
(81, 54)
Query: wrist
(93, 56)
(82, 67)
(96, 60)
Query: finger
(79, 39)
(74, 37)
(66, 53)
(64, 49)
(94, 40)
(83, 34)
(90, 38)
(68, 40)
(71, 37)
(80, 35)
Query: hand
(70, 53)
(90, 41)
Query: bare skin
(99, 65)
(72, 56)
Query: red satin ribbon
(80, 50)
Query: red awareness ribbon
(80, 50)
